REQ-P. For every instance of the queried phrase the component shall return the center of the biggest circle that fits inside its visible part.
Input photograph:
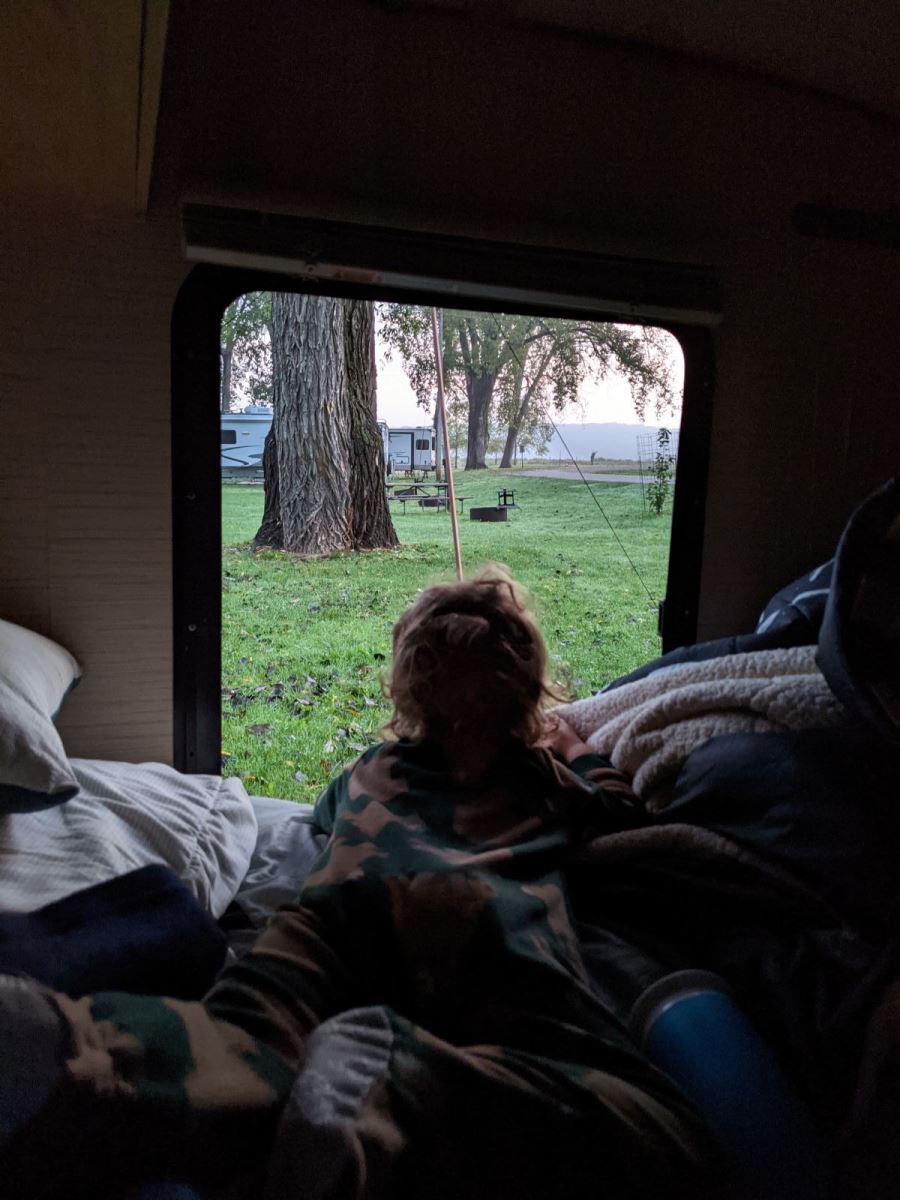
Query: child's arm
(563, 741)
(595, 769)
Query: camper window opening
(202, 709)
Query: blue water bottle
(691, 1028)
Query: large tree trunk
(372, 528)
(480, 390)
(270, 533)
(311, 423)
(509, 450)
(323, 462)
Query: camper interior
(728, 172)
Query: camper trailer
(728, 172)
(411, 448)
(243, 438)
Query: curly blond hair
(469, 657)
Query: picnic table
(416, 488)
(425, 495)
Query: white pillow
(125, 816)
(35, 676)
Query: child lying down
(435, 927)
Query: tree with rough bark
(323, 463)
(245, 350)
(371, 525)
(517, 369)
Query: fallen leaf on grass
(259, 730)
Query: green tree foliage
(663, 466)
(245, 348)
(475, 353)
(536, 438)
(517, 370)
(457, 420)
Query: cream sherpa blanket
(648, 728)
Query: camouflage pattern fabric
(446, 905)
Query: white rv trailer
(412, 448)
(243, 436)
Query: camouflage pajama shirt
(443, 907)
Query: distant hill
(609, 440)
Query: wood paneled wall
(86, 294)
(85, 521)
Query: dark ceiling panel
(841, 47)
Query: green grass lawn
(304, 643)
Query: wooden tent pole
(445, 437)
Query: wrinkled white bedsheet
(125, 816)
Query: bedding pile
(122, 885)
(139, 932)
(649, 727)
(773, 858)
(111, 874)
